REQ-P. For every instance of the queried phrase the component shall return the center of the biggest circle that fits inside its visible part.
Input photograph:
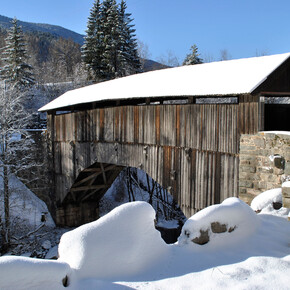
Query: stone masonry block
(247, 148)
(250, 169)
(248, 157)
(265, 169)
(248, 176)
(286, 202)
(259, 142)
(262, 185)
(287, 168)
(247, 198)
(246, 183)
(278, 171)
(247, 162)
(242, 190)
(286, 192)
(253, 191)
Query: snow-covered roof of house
(232, 77)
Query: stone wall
(264, 164)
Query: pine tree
(110, 48)
(193, 57)
(129, 44)
(15, 70)
(112, 58)
(93, 48)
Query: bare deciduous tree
(15, 144)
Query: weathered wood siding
(191, 149)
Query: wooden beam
(103, 172)
(277, 94)
(92, 169)
(98, 169)
(86, 196)
(86, 179)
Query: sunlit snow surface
(221, 78)
(263, 203)
(122, 250)
(25, 207)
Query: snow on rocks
(124, 246)
(122, 243)
(231, 218)
(286, 184)
(27, 273)
(267, 198)
(270, 202)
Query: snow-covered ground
(32, 227)
(25, 208)
(122, 250)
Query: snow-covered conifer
(193, 57)
(110, 48)
(112, 57)
(93, 48)
(16, 70)
(129, 46)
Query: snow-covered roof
(232, 77)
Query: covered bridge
(181, 125)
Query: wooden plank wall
(191, 149)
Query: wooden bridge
(182, 126)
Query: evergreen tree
(129, 46)
(112, 57)
(15, 69)
(193, 57)
(93, 48)
(110, 48)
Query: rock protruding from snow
(122, 243)
(222, 222)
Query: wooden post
(261, 113)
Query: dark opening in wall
(277, 117)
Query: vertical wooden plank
(177, 125)
(136, 124)
(157, 125)
(117, 124)
(101, 124)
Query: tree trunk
(6, 223)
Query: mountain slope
(5, 23)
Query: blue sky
(244, 28)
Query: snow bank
(26, 208)
(253, 273)
(286, 184)
(220, 223)
(124, 246)
(264, 203)
(266, 198)
(27, 273)
(120, 244)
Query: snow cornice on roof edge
(224, 78)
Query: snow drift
(266, 199)
(222, 223)
(123, 243)
(26, 273)
(267, 202)
(26, 209)
(123, 250)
